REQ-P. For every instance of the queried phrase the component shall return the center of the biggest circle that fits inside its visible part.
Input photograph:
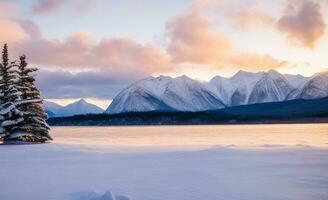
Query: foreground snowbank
(54, 171)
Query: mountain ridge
(185, 94)
(78, 107)
(291, 111)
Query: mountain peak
(79, 107)
(81, 101)
(272, 71)
(273, 74)
(242, 73)
(185, 94)
(323, 73)
(217, 78)
(184, 77)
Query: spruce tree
(2, 118)
(3, 131)
(10, 77)
(3, 74)
(10, 95)
(34, 127)
(22, 117)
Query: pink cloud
(303, 23)
(255, 62)
(81, 51)
(251, 19)
(194, 39)
(12, 31)
(45, 6)
(8, 9)
(48, 6)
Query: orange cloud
(12, 31)
(303, 23)
(126, 52)
(255, 62)
(117, 55)
(193, 39)
(251, 19)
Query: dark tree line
(22, 116)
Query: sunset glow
(86, 49)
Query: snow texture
(60, 172)
(317, 87)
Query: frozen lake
(314, 135)
(247, 162)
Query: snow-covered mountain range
(77, 108)
(164, 93)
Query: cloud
(12, 31)
(255, 62)
(8, 9)
(46, 6)
(81, 51)
(251, 19)
(105, 66)
(85, 5)
(303, 23)
(194, 40)
(49, 6)
(99, 84)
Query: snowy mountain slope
(271, 87)
(316, 87)
(243, 84)
(77, 108)
(184, 94)
(164, 94)
(142, 96)
(51, 108)
(219, 86)
(297, 81)
(235, 90)
(137, 99)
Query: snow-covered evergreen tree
(34, 127)
(22, 116)
(10, 95)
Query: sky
(92, 49)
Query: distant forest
(293, 111)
